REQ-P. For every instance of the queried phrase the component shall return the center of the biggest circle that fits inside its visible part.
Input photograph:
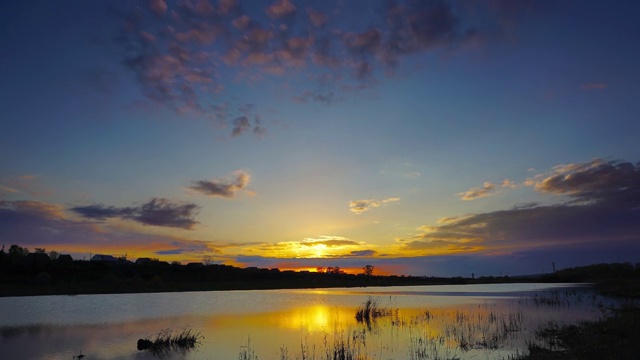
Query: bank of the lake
(89, 277)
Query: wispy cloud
(487, 189)
(360, 206)
(23, 184)
(156, 212)
(228, 187)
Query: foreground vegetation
(614, 337)
(24, 273)
(168, 340)
(492, 334)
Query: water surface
(448, 321)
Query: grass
(168, 340)
(614, 337)
(491, 332)
(369, 311)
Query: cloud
(317, 18)
(18, 211)
(228, 188)
(362, 253)
(46, 225)
(359, 206)
(476, 193)
(183, 53)
(281, 8)
(24, 184)
(156, 212)
(601, 209)
(487, 189)
(158, 6)
(329, 241)
(240, 124)
(612, 182)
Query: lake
(435, 322)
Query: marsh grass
(168, 340)
(485, 331)
(615, 336)
(370, 310)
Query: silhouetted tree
(368, 270)
(207, 260)
(40, 251)
(53, 255)
(17, 251)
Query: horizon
(424, 138)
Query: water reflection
(423, 322)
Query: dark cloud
(101, 212)
(240, 124)
(45, 225)
(18, 212)
(612, 182)
(156, 212)
(362, 253)
(602, 208)
(187, 247)
(228, 188)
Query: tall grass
(370, 310)
(168, 340)
(434, 334)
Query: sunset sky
(422, 137)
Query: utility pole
(553, 264)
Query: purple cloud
(156, 212)
(602, 209)
(180, 51)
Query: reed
(168, 340)
(370, 310)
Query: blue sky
(423, 137)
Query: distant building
(104, 258)
(144, 260)
(37, 259)
(64, 259)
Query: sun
(319, 250)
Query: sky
(426, 138)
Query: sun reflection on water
(490, 329)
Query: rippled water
(457, 321)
